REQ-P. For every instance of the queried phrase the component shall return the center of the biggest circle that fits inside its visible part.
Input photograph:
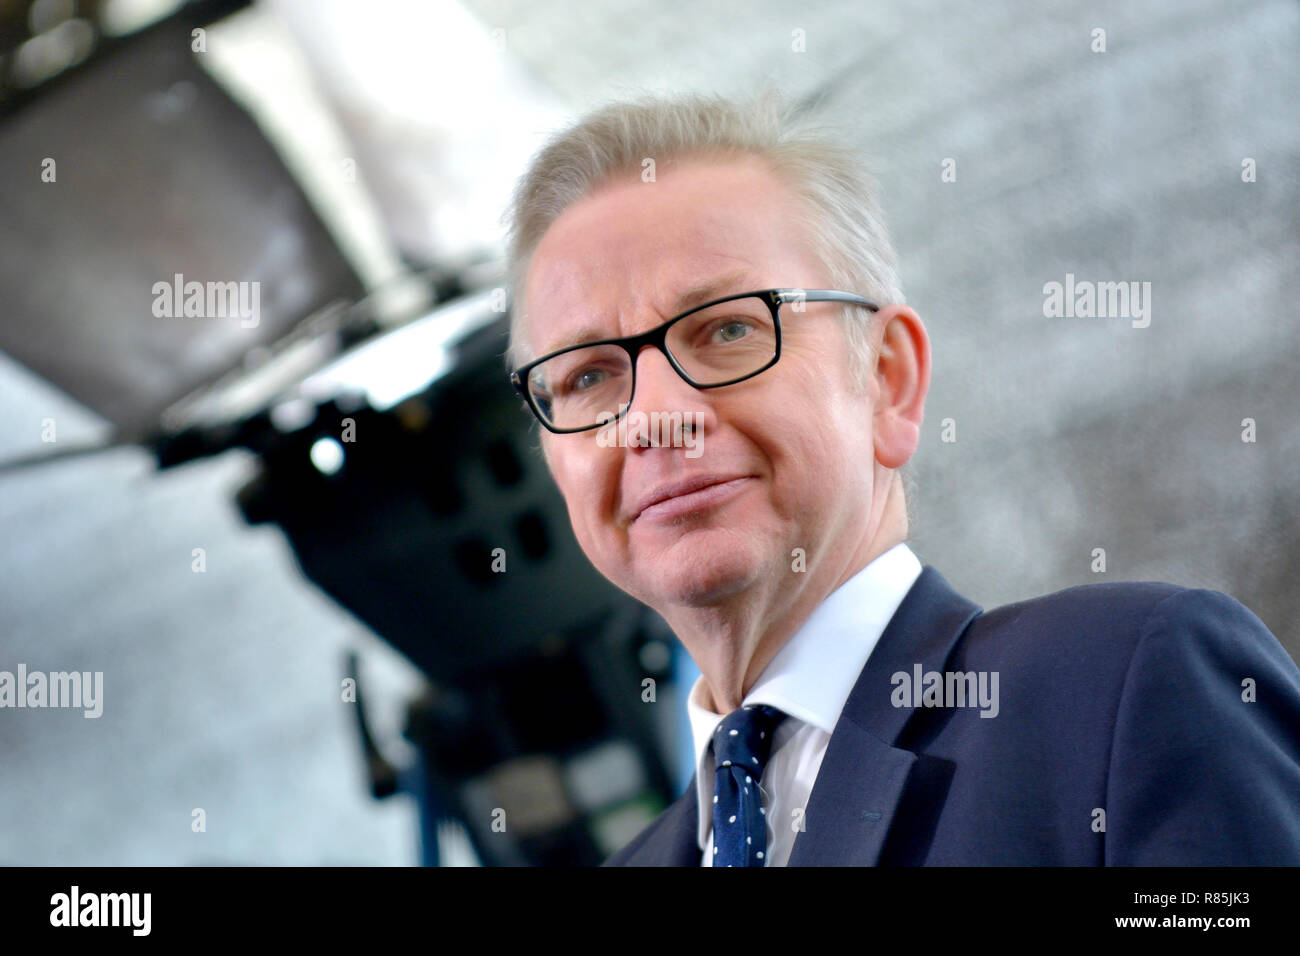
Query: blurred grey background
(1071, 434)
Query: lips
(700, 490)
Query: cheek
(818, 449)
(588, 481)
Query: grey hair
(843, 218)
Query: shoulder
(1207, 732)
(1079, 623)
(1204, 647)
(1113, 609)
(1157, 665)
(1089, 630)
(1106, 644)
(1172, 709)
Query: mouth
(686, 497)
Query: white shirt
(809, 679)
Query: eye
(585, 378)
(732, 330)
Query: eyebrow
(696, 295)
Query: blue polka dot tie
(741, 746)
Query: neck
(734, 641)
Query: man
(852, 708)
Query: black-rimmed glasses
(721, 342)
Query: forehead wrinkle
(697, 294)
(704, 234)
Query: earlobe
(902, 381)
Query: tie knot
(744, 738)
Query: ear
(901, 381)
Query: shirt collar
(811, 676)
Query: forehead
(622, 259)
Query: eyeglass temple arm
(827, 295)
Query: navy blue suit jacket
(1120, 706)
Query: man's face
(791, 448)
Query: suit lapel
(862, 777)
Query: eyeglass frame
(658, 337)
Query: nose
(659, 389)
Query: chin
(699, 570)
